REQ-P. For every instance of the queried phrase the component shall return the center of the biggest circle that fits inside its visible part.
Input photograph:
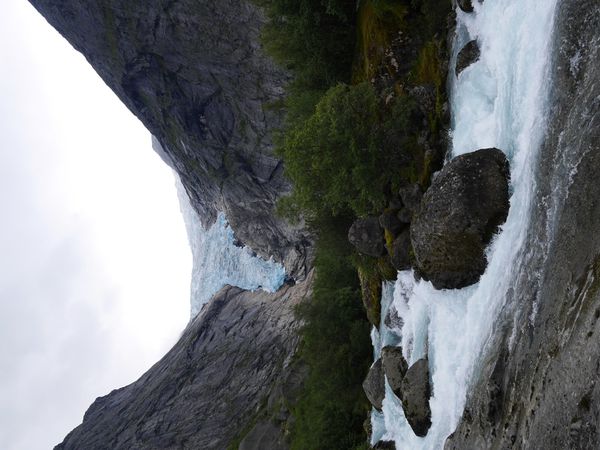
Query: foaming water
(218, 261)
(500, 101)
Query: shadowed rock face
(539, 384)
(194, 73)
(208, 387)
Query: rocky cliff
(538, 385)
(230, 370)
(194, 73)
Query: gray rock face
(194, 73)
(415, 397)
(539, 386)
(367, 236)
(468, 55)
(374, 385)
(208, 387)
(460, 212)
(395, 367)
(400, 252)
(264, 435)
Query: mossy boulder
(415, 393)
(466, 203)
(400, 251)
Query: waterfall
(218, 261)
(500, 101)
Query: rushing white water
(217, 261)
(500, 101)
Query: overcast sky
(94, 261)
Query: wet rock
(468, 55)
(374, 385)
(393, 320)
(460, 212)
(385, 445)
(411, 196)
(367, 236)
(400, 252)
(394, 367)
(465, 5)
(415, 397)
(389, 220)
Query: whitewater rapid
(218, 261)
(500, 101)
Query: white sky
(94, 260)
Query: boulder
(468, 55)
(367, 236)
(411, 196)
(466, 203)
(415, 397)
(465, 5)
(374, 385)
(394, 367)
(389, 221)
(400, 252)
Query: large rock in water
(374, 385)
(194, 73)
(366, 235)
(395, 367)
(468, 55)
(416, 391)
(462, 209)
(229, 361)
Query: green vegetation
(347, 154)
(315, 40)
(336, 346)
(353, 134)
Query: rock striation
(464, 206)
(229, 361)
(194, 73)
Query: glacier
(219, 261)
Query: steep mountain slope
(233, 359)
(194, 73)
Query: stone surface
(462, 209)
(394, 367)
(393, 320)
(374, 385)
(415, 397)
(389, 220)
(468, 55)
(411, 196)
(367, 236)
(400, 252)
(205, 390)
(194, 73)
(385, 445)
(538, 387)
(465, 5)
(262, 436)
